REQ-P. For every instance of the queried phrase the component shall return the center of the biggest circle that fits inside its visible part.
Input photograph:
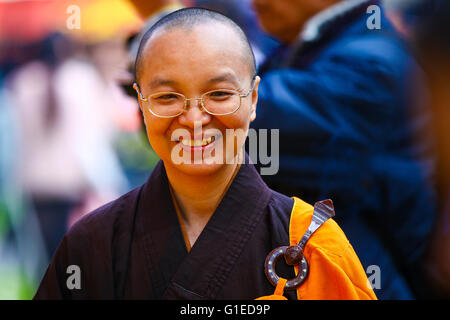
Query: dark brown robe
(133, 247)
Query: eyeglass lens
(217, 102)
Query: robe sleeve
(60, 272)
(335, 272)
(81, 267)
(50, 287)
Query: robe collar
(201, 273)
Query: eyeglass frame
(142, 98)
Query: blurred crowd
(364, 119)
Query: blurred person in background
(65, 112)
(22, 252)
(100, 54)
(432, 38)
(339, 89)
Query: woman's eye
(220, 94)
(166, 97)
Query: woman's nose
(194, 114)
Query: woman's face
(192, 62)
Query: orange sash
(335, 272)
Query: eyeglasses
(216, 102)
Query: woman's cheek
(157, 133)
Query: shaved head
(187, 19)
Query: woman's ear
(254, 99)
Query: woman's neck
(199, 195)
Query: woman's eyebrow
(161, 82)
(226, 77)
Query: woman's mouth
(197, 143)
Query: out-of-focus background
(71, 133)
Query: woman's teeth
(197, 143)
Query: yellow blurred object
(90, 20)
(100, 20)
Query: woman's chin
(202, 167)
(199, 169)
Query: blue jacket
(344, 106)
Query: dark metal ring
(269, 269)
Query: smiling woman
(201, 229)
